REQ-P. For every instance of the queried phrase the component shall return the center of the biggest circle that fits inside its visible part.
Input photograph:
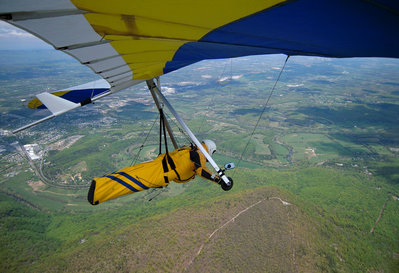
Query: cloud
(14, 34)
(13, 38)
(168, 90)
(9, 31)
(237, 77)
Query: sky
(13, 38)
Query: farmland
(327, 143)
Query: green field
(327, 144)
(333, 209)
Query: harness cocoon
(176, 166)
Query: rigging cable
(263, 110)
(158, 191)
(145, 140)
(220, 87)
(226, 80)
(179, 128)
(211, 102)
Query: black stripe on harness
(171, 164)
(195, 158)
(188, 179)
(165, 165)
(206, 175)
(178, 176)
(166, 179)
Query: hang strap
(167, 159)
(162, 129)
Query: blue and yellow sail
(122, 40)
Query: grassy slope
(326, 229)
(267, 237)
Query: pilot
(180, 166)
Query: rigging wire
(158, 191)
(179, 128)
(220, 87)
(226, 80)
(145, 140)
(211, 102)
(263, 111)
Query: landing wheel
(227, 187)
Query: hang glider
(130, 41)
(65, 100)
(82, 94)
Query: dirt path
(379, 216)
(230, 221)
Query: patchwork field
(316, 187)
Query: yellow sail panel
(131, 25)
(128, 45)
(174, 23)
(206, 13)
(144, 52)
(151, 56)
(147, 71)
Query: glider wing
(122, 40)
(81, 94)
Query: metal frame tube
(188, 131)
(159, 106)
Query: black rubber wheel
(225, 187)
